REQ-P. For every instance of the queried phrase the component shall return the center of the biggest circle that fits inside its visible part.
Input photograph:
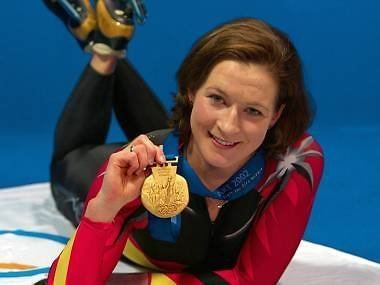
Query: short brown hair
(249, 41)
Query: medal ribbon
(243, 181)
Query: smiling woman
(238, 140)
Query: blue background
(339, 42)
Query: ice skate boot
(78, 16)
(116, 25)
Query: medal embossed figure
(165, 193)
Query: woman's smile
(222, 143)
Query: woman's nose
(228, 122)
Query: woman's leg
(136, 107)
(80, 135)
(79, 142)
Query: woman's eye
(216, 98)
(253, 112)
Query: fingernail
(151, 162)
(162, 158)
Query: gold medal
(165, 193)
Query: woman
(238, 131)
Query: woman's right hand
(123, 178)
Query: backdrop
(339, 42)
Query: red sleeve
(274, 240)
(95, 248)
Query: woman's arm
(92, 253)
(276, 237)
(95, 248)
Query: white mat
(32, 233)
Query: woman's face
(232, 112)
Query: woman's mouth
(220, 142)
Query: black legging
(81, 131)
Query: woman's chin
(218, 161)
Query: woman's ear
(277, 116)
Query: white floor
(32, 233)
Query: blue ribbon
(243, 181)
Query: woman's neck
(212, 177)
